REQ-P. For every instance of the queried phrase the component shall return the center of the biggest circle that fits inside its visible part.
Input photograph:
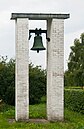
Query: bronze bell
(38, 44)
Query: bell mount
(38, 32)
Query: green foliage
(68, 79)
(74, 99)
(75, 73)
(7, 80)
(37, 82)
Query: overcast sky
(73, 26)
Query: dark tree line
(74, 76)
(37, 82)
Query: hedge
(74, 100)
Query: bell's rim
(38, 49)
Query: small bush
(74, 100)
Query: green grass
(73, 120)
(37, 111)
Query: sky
(73, 27)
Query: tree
(7, 80)
(37, 82)
(75, 72)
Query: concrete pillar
(55, 70)
(22, 70)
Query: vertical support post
(55, 70)
(22, 77)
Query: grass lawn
(73, 120)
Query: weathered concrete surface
(55, 70)
(22, 69)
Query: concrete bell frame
(55, 64)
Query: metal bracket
(38, 32)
